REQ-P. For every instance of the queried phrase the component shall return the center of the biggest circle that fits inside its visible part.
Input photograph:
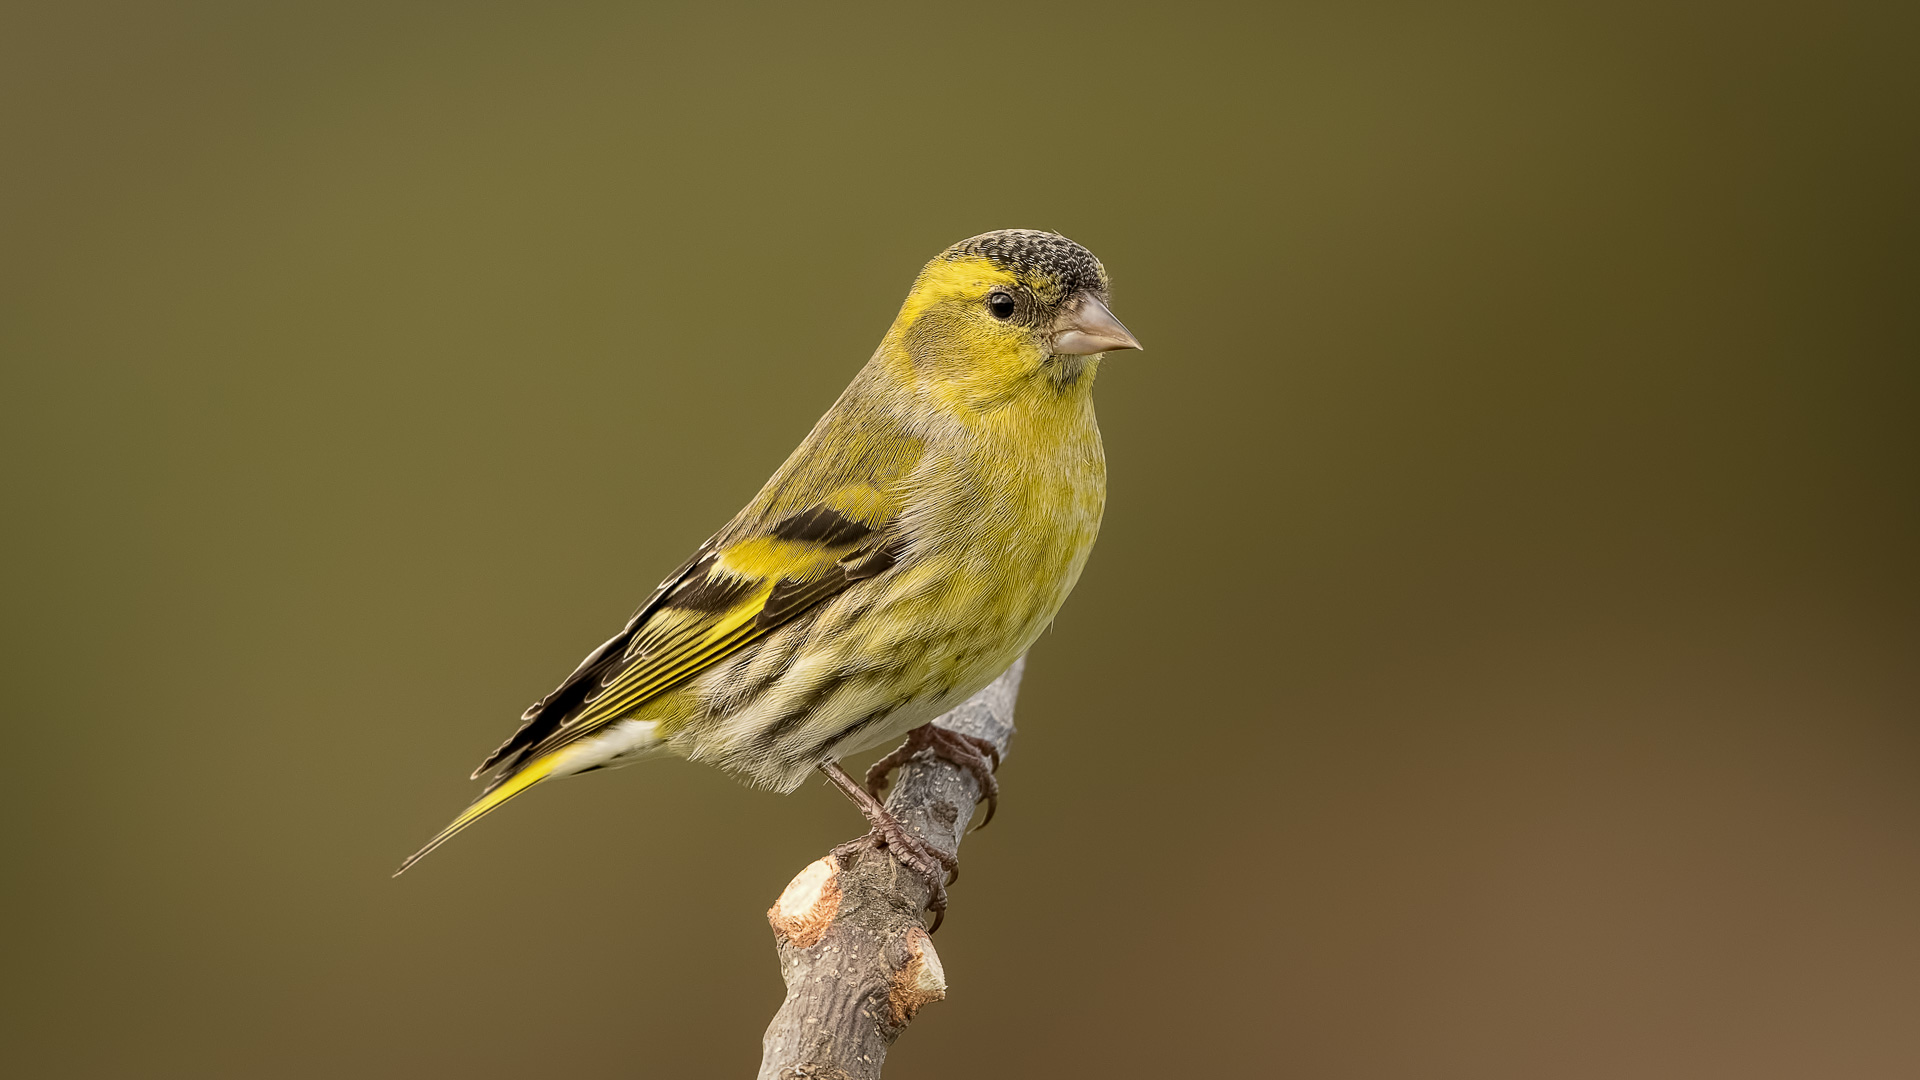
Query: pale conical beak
(1088, 327)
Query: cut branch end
(808, 906)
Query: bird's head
(1008, 310)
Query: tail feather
(535, 771)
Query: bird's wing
(543, 717)
(731, 592)
(828, 519)
(834, 501)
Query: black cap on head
(1033, 252)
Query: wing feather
(545, 715)
(721, 600)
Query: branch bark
(856, 957)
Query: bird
(919, 540)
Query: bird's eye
(1001, 305)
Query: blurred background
(1500, 659)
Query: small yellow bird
(915, 544)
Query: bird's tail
(534, 772)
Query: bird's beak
(1087, 327)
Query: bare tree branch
(857, 960)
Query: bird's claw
(978, 756)
(937, 868)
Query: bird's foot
(936, 867)
(980, 757)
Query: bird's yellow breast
(1005, 521)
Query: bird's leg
(976, 755)
(915, 853)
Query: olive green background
(1500, 659)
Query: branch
(857, 960)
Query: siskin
(915, 544)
